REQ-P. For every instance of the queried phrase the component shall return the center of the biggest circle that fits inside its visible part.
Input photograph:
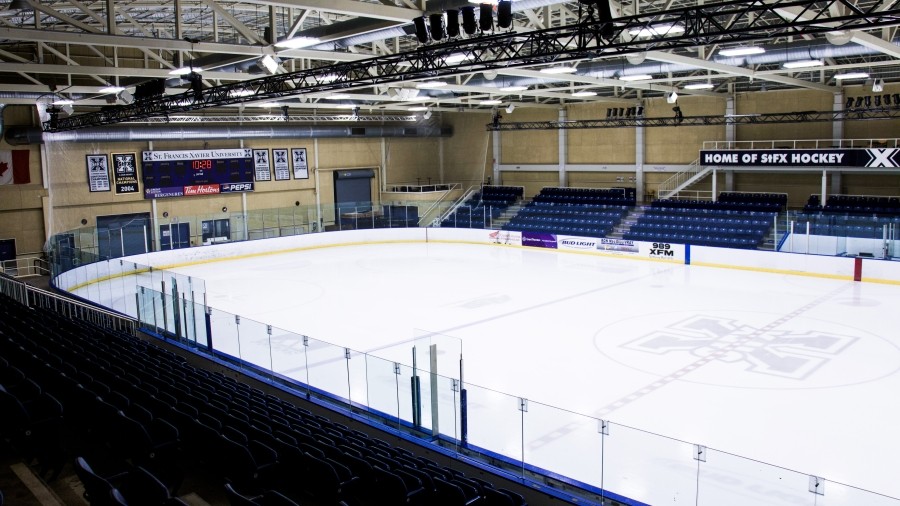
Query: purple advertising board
(539, 240)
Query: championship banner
(98, 173)
(125, 172)
(196, 172)
(261, 165)
(280, 164)
(301, 167)
(539, 240)
(868, 157)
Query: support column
(563, 149)
(837, 126)
(835, 183)
(639, 163)
(730, 135)
(824, 185)
(729, 180)
(495, 137)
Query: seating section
(482, 208)
(868, 227)
(148, 418)
(737, 221)
(854, 204)
(587, 212)
(588, 196)
(573, 219)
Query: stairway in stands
(508, 214)
(630, 219)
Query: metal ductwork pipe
(21, 135)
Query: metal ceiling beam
(747, 119)
(735, 71)
(730, 21)
(873, 42)
(350, 7)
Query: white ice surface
(799, 372)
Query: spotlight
(125, 97)
(609, 113)
(604, 14)
(849, 103)
(427, 114)
(859, 102)
(887, 99)
(196, 81)
(468, 15)
(452, 23)
(896, 98)
(640, 111)
(269, 63)
(421, 29)
(614, 111)
(679, 116)
(53, 111)
(510, 108)
(672, 97)
(878, 85)
(437, 26)
(877, 100)
(485, 17)
(67, 108)
(504, 14)
(868, 101)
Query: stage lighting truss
(731, 21)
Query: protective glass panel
(564, 443)
(837, 494)
(729, 479)
(383, 393)
(494, 422)
(328, 369)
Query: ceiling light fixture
(337, 96)
(510, 108)
(851, 75)
(298, 42)
(636, 77)
(560, 69)
(456, 58)
(742, 51)
(269, 63)
(584, 94)
(183, 71)
(490, 102)
(878, 85)
(63, 101)
(418, 108)
(655, 31)
(427, 114)
(514, 88)
(111, 89)
(426, 85)
(699, 86)
(799, 64)
(672, 97)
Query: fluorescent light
(328, 78)
(851, 75)
(514, 88)
(240, 93)
(270, 104)
(491, 102)
(560, 69)
(425, 85)
(345, 106)
(63, 101)
(111, 89)
(180, 71)
(742, 51)
(418, 108)
(584, 94)
(799, 64)
(337, 96)
(699, 86)
(456, 58)
(636, 77)
(652, 31)
(298, 42)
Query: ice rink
(798, 372)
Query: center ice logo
(781, 353)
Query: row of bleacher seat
(854, 204)
(755, 232)
(728, 220)
(133, 403)
(780, 199)
(580, 231)
(698, 239)
(707, 205)
(708, 212)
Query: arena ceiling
(86, 51)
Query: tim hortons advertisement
(539, 240)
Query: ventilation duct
(19, 136)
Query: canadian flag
(14, 167)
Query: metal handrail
(436, 205)
(25, 267)
(456, 203)
(667, 188)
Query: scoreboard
(196, 172)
